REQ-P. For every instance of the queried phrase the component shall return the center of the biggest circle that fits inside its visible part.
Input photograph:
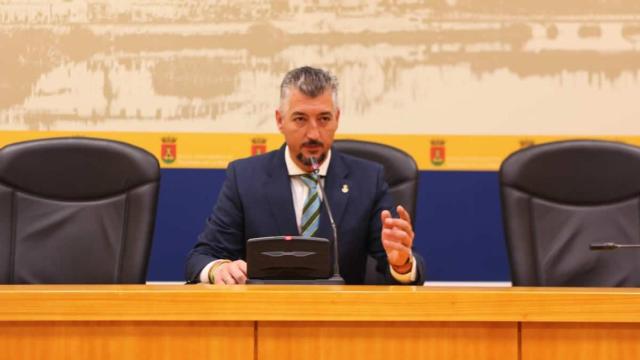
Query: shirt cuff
(204, 274)
(408, 277)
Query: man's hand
(230, 273)
(397, 238)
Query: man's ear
(279, 119)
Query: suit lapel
(336, 187)
(278, 188)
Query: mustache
(313, 143)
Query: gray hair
(310, 81)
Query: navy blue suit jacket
(256, 201)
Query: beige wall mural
(453, 67)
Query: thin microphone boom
(611, 246)
(336, 267)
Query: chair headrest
(399, 166)
(575, 171)
(76, 168)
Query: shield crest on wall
(168, 150)
(258, 146)
(438, 152)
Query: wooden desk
(317, 322)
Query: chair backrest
(401, 171)
(76, 210)
(401, 174)
(557, 198)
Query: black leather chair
(76, 210)
(557, 199)
(401, 174)
(401, 171)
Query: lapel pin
(345, 188)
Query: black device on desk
(290, 260)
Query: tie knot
(311, 180)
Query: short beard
(307, 161)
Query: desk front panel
(578, 341)
(386, 340)
(124, 340)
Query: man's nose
(313, 131)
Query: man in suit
(274, 194)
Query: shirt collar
(293, 169)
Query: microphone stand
(335, 278)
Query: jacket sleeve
(223, 234)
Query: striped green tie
(311, 210)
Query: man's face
(308, 125)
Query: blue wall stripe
(458, 223)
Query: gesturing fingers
(404, 214)
(397, 235)
(399, 224)
(384, 215)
